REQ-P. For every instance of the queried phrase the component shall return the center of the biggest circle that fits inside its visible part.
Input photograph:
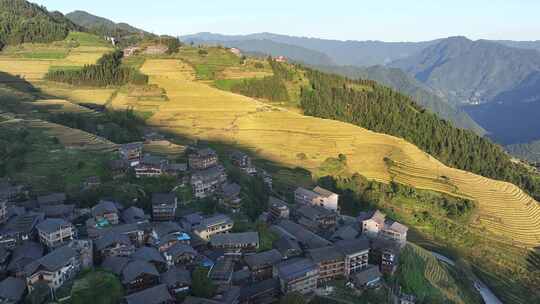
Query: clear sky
(387, 20)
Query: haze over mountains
(478, 85)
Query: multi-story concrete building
(318, 196)
(3, 211)
(331, 263)
(242, 161)
(261, 264)
(278, 209)
(132, 153)
(317, 218)
(105, 211)
(180, 254)
(53, 269)
(297, 275)
(164, 206)
(203, 159)
(114, 244)
(371, 223)
(236, 243)
(54, 233)
(217, 224)
(385, 253)
(207, 182)
(395, 231)
(151, 166)
(356, 254)
(375, 224)
(230, 196)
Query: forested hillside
(406, 84)
(124, 33)
(21, 21)
(372, 106)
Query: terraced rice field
(62, 106)
(435, 272)
(30, 70)
(241, 73)
(73, 138)
(70, 138)
(76, 95)
(199, 111)
(164, 147)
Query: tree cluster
(108, 71)
(119, 127)
(271, 88)
(381, 109)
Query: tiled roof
(104, 207)
(294, 268)
(301, 234)
(345, 233)
(205, 152)
(313, 212)
(218, 219)
(284, 244)
(131, 146)
(154, 295)
(24, 254)
(52, 261)
(234, 238)
(149, 254)
(179, 249)
(366, 275)
(323, 192)
(53, 198)
(195, 300)
(163, 198)
(208, 174)
(374, 215)
(112, 238)
(176, 275)
(397, 227)
(52, 225)
(137, 267)
(133, 215)
(231, 189)
(349, 247)
(115, 264)
(12, 289)
(322, 254)
(257, 288)
(270, 257)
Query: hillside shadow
(223, 148)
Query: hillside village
(145, 168)
(301, 246)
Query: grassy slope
(432, 281)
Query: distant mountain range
(354, 53)
(269, 47)
(472, 72)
